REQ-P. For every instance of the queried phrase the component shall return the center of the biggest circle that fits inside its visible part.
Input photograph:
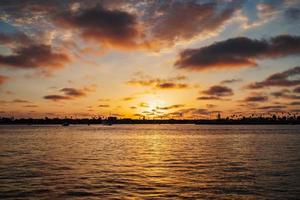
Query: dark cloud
(285, 94)
(256, 97)
(103, 105)
(110, 27)
(172, 21)
(34, 56)
(282, 79)
(208, 98)
(69, 94)
(170, 107)
(56, 97)
(30, 106)
(271, 107)
(125, 24)
(295, 103)
(20, 101)
(292, 14)
(229, 81)
(238, 52)
(296, 90)
(73, 92)
(3, 79)
(218, 90)
(17, 38)
(191, 112)
(168, 85)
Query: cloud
(158, 83)
(20, 101)
(238, 52)
(218, 90)
(35, 56)
(211, 105)
(282, 79)
(17, 38)
(286, 94)
(3, 79)
(229, 81)
(169, 85)
(69, 94)
(56, 97)
(173, 21)
(109, 27)
(208, 98)
(256, 97)
(73, 92)
(296, 90)
(124, 24)
(30, 106)
(292, 14)
(191, 112)
(271, 107)
(103, 105)
(170, 107)
(295, 103)
(143, 105)
(128, 98)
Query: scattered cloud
(282, 79)
(35, 56)
(158, 83)
(256, 97)
(103, 106)
(128, 98)
(296, 90)
(108, 27)
(15, 39)
(208, 98)
(238, 52)
(170, 107)
(173, 21)
(229, 81)
(292, 14)
(216, 92)
(286, 94)
(20, 101)
(295, 103)
(143, 105)
(70, 93)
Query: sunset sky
(169, 59)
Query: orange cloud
(3, 79)
(158, 83)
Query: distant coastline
(113, 120)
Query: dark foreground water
(150, 161)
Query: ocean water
(150, 162)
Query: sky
(153, 59)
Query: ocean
(150, 162)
